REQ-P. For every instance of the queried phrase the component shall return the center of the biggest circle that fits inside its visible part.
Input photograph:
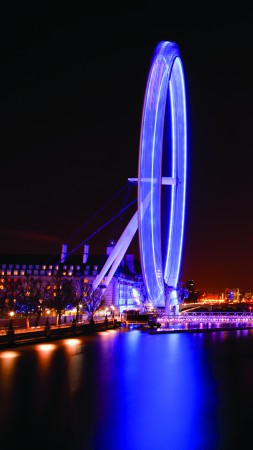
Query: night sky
(72, 90)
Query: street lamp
(48, 312)
(10, 323)
(10, 331)
(112, 308)
(47, 326)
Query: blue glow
(154, 393)
(179, 147)
(165, 84)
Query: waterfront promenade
(188, 322)
(11, 336)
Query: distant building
(191, 297)
(232, 294)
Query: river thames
(129, 390)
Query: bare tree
(92, 300)
(62, 295)
(79, 287)
(30, 293)
(9, 294)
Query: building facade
(124, 292)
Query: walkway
(203, 321)
(20, 336)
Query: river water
(129, 390)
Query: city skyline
(72, 98)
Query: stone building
(124, 292)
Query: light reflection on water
(129, 390)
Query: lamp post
(10, 331)
(10, 323)
(113, 309)
(47, 326)
(47, 321)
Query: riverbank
(48, 333)
(16, 337)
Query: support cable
(96, 214)
(118, 224)
(99, 229)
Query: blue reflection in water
(154, 392)
(129, 390)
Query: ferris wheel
(162, 177)
(162, 173)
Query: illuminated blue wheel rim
(162, 156)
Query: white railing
(196, 318)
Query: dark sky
(72, 90)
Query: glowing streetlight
(48, 312)
(10, 332)
(11, 314)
